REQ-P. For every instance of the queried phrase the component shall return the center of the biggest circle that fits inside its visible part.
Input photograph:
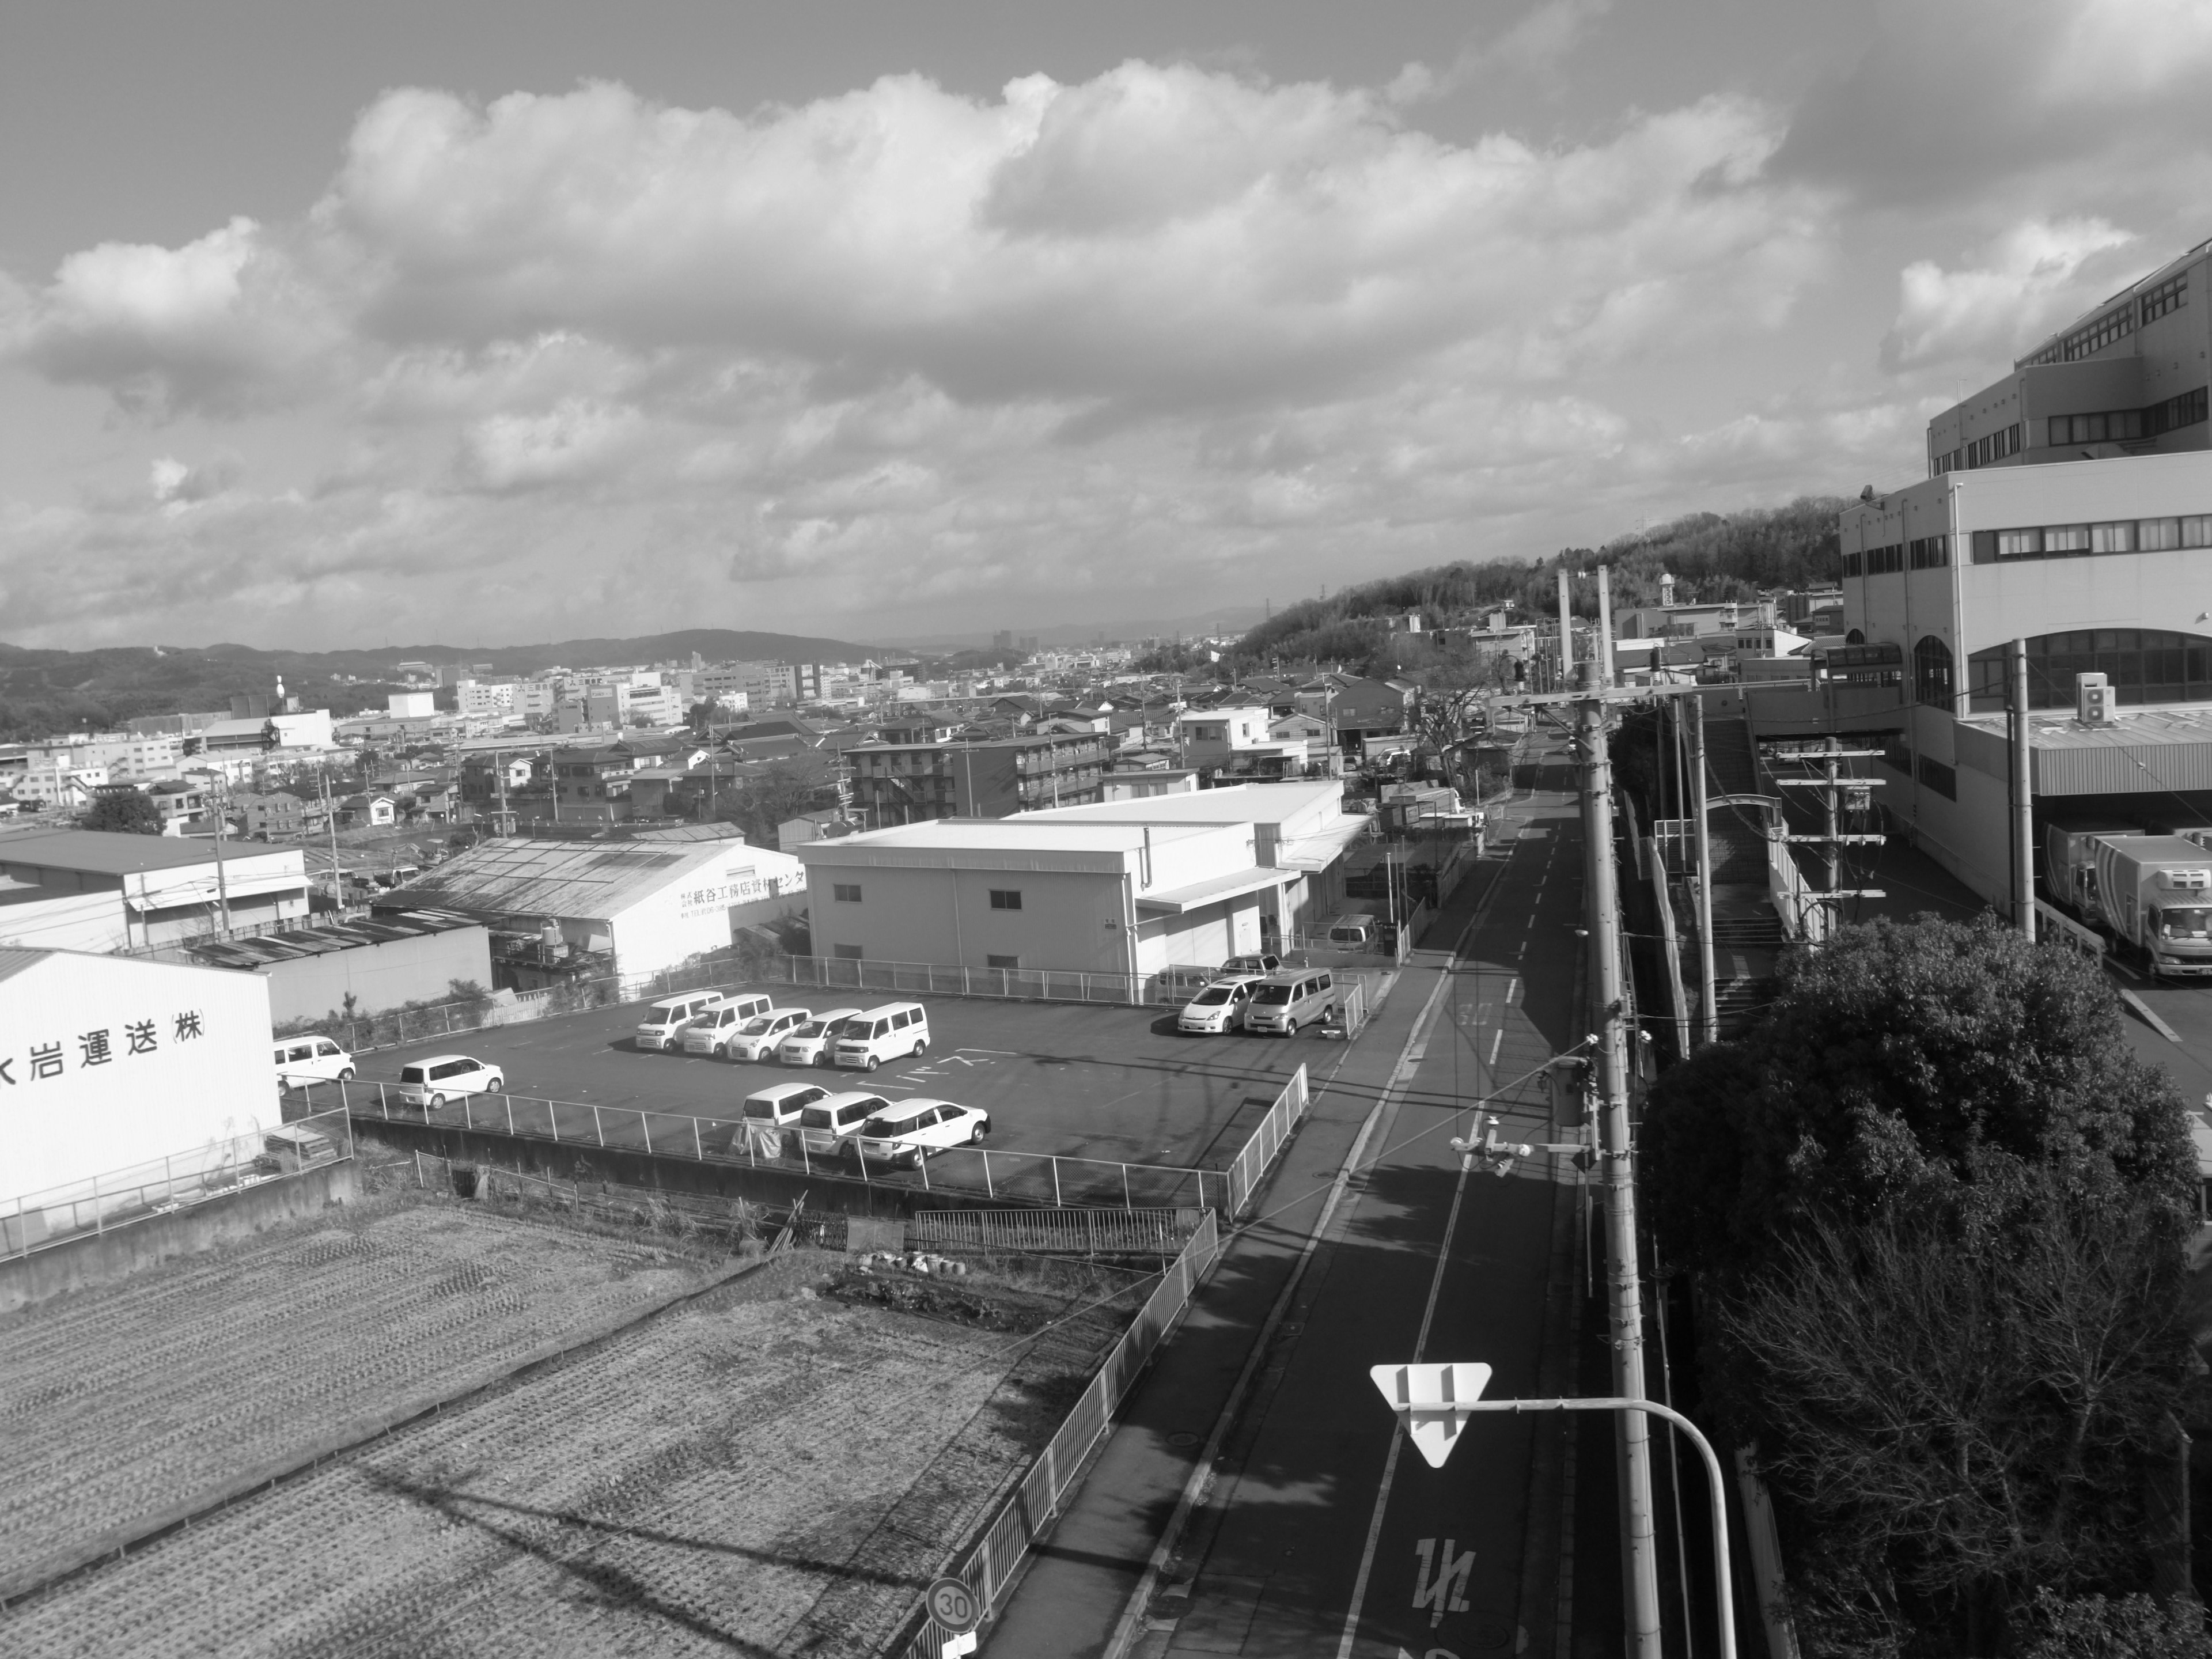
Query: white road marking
(1512, 990)
(1495, 1042)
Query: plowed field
(738, 1475)
(123, 1406)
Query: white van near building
(890, 1032)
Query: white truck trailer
(2154, 892)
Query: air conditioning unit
(2185, 881)
(2093, 699)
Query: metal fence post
(988, 1190)
(1056, 1183)
(1126, 1204)
(645, 1127)
(508, 1101)
(698, 1144)
(599, 1129)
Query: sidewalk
(1081, 1577)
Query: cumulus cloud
(903, 345)
(2034, 277)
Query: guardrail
(139, 1192)
(996, 1556)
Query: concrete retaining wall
(103, 1258)
(775, 1189)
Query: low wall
(103, 1258)
(563, 1161)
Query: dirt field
(122, 1404)
(759, 1471)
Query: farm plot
(737, 1475)
(122, 1408)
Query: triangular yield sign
(1432, 1399)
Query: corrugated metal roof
(104, 851)
(2145, 751)
(588, 880)
(14, 959)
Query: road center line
(1398, 1440)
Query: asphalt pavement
(1310, 1534)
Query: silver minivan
(663, 1022)
(720, 1020)
(881, 1034)
(1285, 1000)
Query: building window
(1942, 779)
(847, 952)
(1930, 552)
(845, 892)
(2169, 296)
(1931, 672)
(2118, 537)
(1885, 561)
(1854, 564)
(1002, 962)
(1005, 898)
(2144, 665)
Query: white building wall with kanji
(107, 1062)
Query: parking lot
(1107, 1083)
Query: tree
(1938, 1205)
(1904, 1055)
(127, 811)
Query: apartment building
(913, 783)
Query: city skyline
(865, 323)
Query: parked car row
(1279, 1001)
(862, 1127)
(747, 1026)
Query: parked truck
(2069, 861)
(2155, 893)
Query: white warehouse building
(110, 1062)
(1122, 887)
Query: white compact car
(663, 1025)
(302, 1060)
(1221, 1006)
(811, 1044)
(915, 1129)
(758, 1037)
(721, 1019)
(431, 1083)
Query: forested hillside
(1711, 555)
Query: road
(1317, 1536)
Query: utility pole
(1638, 1540)
(1829, 852)
(221, 825)
(1708, 1017)
(1567, 634)
(2023, 800)
(1607, 673)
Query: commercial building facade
(158, 890)
(914, 783)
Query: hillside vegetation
(1711, 555)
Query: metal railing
(1042, 1179)
(1257, 1154)
(1037, 1178)
(139, 1192)
(1070, 1233)
(993, 1561)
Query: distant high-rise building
(1003, 640)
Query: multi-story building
(2128, 379)
(493, 700)
(911, 783)
(2093, 551)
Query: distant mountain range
(1228, 619)
(43, 692)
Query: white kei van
(720, 1021)
(1284, 1001)
(665, 1020)
(885, 1033)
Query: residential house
(374, 811)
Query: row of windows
(1983, 452)
(1929, 552)
(2171, 294)
(2062, 541)
(2090, 338)
(2127, 425)
(1002, 898)
(1875, 561)
(1931, 672)
(2144, 665)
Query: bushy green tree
(1938, 1205)
(127, 811)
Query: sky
(498, 321)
